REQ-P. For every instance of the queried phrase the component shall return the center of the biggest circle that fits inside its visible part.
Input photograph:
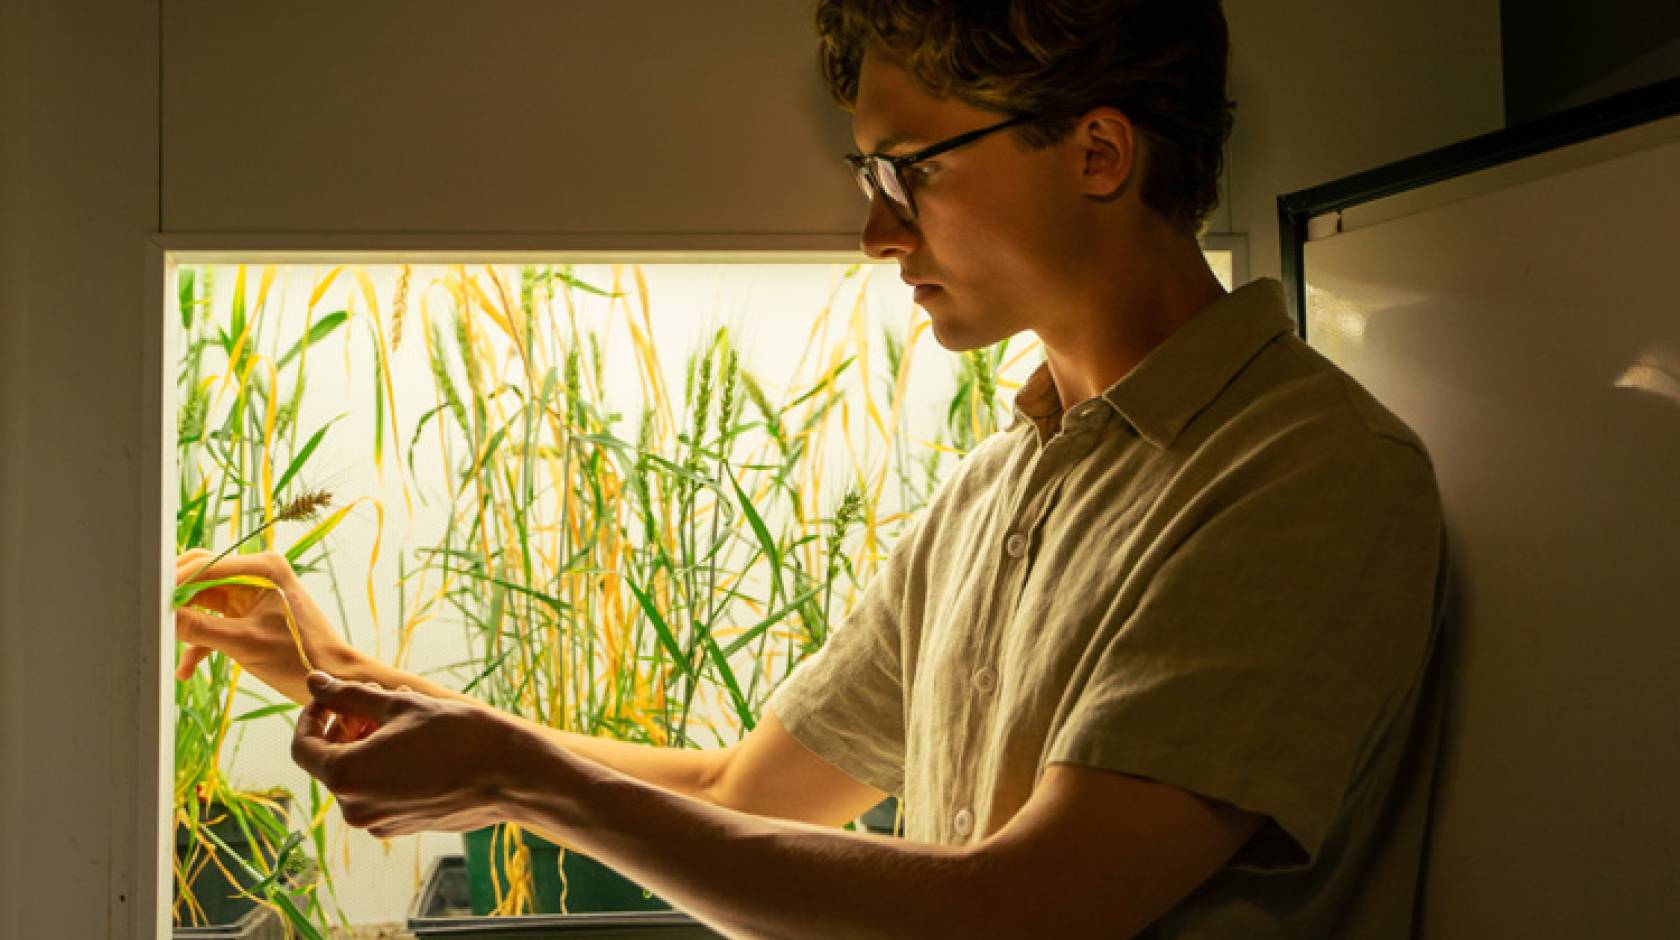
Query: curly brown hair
(1161, 62)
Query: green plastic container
(882, 817)
(591, 887)
(223, 905)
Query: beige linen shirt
(1221, 574)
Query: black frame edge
(1600, 118)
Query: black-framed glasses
(878, 172)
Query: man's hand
(249, 623)
(428, 764)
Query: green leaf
(488, 670)
(232, 856)
(473, 557)
(185, 278)
(820, 386)
(420, 426)
(268, 883)
(378, 409)
(316, 534)
(302, 456)
(318, 832)
(739, 700)
(264, 712)
(293, 840)
(296, 917)
(582, 286)
(666, 637)
(320, 330)
(236, 326)
(753, 632)
(185, 592)
(489, 451)
(559, 606)
(765, 541)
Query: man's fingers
(200, 629)
(313, 720)
(187, 563)
(270, 565)
(191, 558)
(354, 729)
(336, 731)
(190, 658)
(351, 699)
(348, 729)
(311, 747)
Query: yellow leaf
(268, 451)
(1035, 344)
(942, 448)
(378, 536)
(321, 288)
(268, 273)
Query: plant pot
(223, 905)
(443, 908)
(880, 817)
(258, 923)
(590, 886)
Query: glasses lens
(860, 172)
(892, 186)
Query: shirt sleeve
(1276, 642)
(846, 701)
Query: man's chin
(942, 333)
(953, 338)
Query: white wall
(1325, 88)
(422, 117)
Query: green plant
(613, 577)
(605, 572)
(649, 578)
(237, 426)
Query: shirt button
(964, 822)
(1015, 545)
(985, 680)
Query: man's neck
(1105, 332)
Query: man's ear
(1111, 151)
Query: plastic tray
(258, 923)
(443, 909)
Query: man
(1146, 664)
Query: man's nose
(884, 236)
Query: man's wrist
(532, 777)
(343, 661)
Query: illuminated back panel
(1524, 318)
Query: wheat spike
(306, 506)
(399, 307)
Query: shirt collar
(1182, 375)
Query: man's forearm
(751, 876)
(692, 773)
